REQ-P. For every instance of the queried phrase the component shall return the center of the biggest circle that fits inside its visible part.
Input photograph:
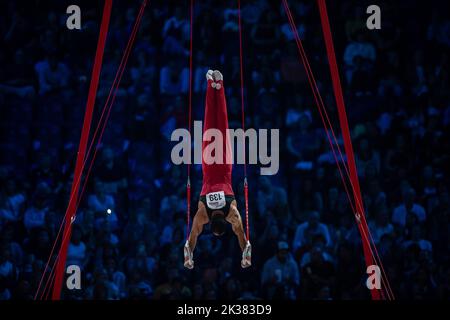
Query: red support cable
(190, 68)
(105, 107)
(188, 183)
(60, 267)
(241, 65)
(337, 88)
(320, 106)
(247, 228)
(188, 196)
(112, 95)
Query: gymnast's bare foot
(209, 75)
(218, 78)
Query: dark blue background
(396, 86)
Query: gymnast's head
(218, 223)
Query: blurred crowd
(130, 226)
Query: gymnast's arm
(200, 219)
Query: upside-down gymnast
(217, 204)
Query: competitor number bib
(216, 200)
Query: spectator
(103, 205)
(367, 156)
(11, 202)
(175, 32)
(111, 171)
(77, 252)
(416, 238)
(272, 198)
(35, 216)
(360, 48)
(280, 274)
(408, 207)
(173, 79)
(306, 231)
(381, 225)
(317, 274)
(52, 74)
(302, 143)
(8, 271)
